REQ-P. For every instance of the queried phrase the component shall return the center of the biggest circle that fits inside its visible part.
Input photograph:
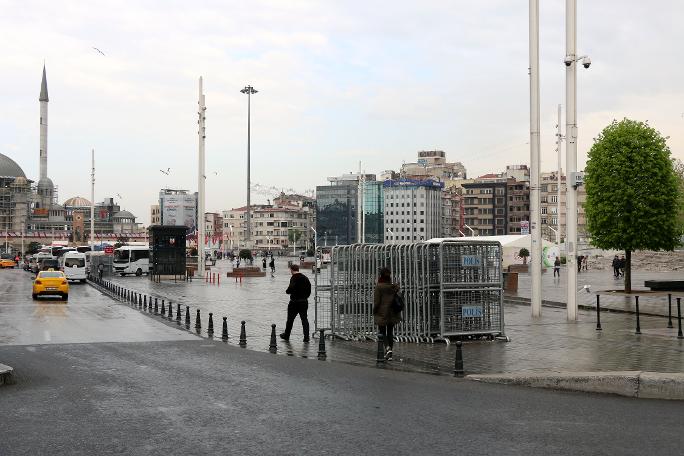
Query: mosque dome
(77, 201)
(20, 181)
(45, 183)
(9, 168)
(123, 215)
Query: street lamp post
(249, 90)
(315, 239)
(535, 163)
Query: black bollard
(187, 317)
(458, 365)
(145, 301)
(178, 315)
(638, 328)
(598, 313)
(380, 355)
(669, 310)
(210, 326)
(273, 346)
(156, 307)
(163, 309)
(224, 331)
(140, 304)
(321, 345)
(140, 301)
(198, 324)
(679, 318)
(170, 311)
(243, 335)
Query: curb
(637, 384)
(6, 375)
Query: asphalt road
(196, 396)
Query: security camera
(568, 60)
(586, 61)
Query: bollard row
(638, 315)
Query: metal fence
(450, 287)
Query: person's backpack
(397, 302)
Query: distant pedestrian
(299, 291)
(100, 270)
(272, 265)
(383, 313)
(616, 267)
(585, 263)
(579, 263)
(556, 267)
(264, 263)
(623, 265)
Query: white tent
(511, 244)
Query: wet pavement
(549, 343)
(603, 283)
(88, 316)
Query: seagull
(120, 197)
(215, 173)
(168, 170)
(99, 50)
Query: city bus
(132, 259)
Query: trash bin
(510, 280)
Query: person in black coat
(299, 291)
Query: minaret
(43, 125)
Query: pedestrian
(237, 263)
(299, 291)
(623, 265)
(585, 263)
(264, 263)
(556, 267)
(272, 265)
(579, 263)
(616, 267)
(100, 270)
(383, 313)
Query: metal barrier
(450, 287)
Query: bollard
(198, 324)
(321, 346)
(458, 365)
(178, 315)
(163, 309)
(679, 318)
(638, 328)
(243, 335)
(210, 326)
(187, 317)
(140, 304)
(156, 307)
(145, 302)
(170, 311)
(273, 346)
(218, 279)
(224, 331)
(598, 313)
(669, 310)
(380, 355)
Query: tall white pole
(559, 147)
(571, 154)
(201, 178)
(92, 200)
(535, 213)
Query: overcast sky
(339, 82)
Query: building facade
(413, 210)
(373, 220)
(518, 206)
(553, 219)
(432, 163)
(155, 215)
(178, 207)
(485, 206)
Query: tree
(33, 248)
(679, 171)
(524, 253)
(293, 236)
(245, 254)
(632, 191)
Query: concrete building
(213, 227)
(549, 208)
(432, 163)
(452, 212)
(155, 215)
(485, 205)
(518, 206)
(413, 210)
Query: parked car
(49, 263)
(7, 263)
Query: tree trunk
(628, 271)
(524, 260)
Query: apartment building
(485, 207)
(413, 210)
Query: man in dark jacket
(299, 291)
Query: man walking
(299, 291)
(616, 267)
(556, 267)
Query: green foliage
(524, 253)
(245, 254)
(33, 248)
(294, 235)
(678, 166)
(632, 189)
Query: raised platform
(249, 271)
(665, 285)
(6, 375)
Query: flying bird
(120, 197)
(168, 170)
(99, 50)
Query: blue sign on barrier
(470, 261)
(471, 311)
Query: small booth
(167, 252)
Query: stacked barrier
(450, 287)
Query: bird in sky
(120, 197)
(99, 50)
(168, 170)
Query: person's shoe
(284, 336)
(388, 354)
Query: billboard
(179, 210)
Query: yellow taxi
(7, 263)
(51, 283)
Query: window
(554, 198)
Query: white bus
(132, 259)
(73, 264)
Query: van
(74, 265)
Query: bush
(245, 254)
